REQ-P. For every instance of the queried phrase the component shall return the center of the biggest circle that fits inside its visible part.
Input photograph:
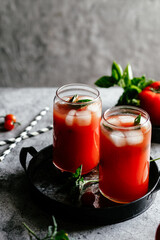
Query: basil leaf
(128, 95)
(115, 75)
(146, 84)
(72, 99)
(107, 128)
(137, 120)
(77, 173)
(132, 86)
(83, 100)
(128, 72)
(105, 81)
(61, 235)
(117, 71)
(135, 88)
(141, 82)
(135, 102)
(127, 75)
(121, 83)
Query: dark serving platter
(155, 134)
(45, 179)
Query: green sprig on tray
(132, 85)
(52, 234)
(75, 184)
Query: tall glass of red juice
(76, 119)
(124, 153)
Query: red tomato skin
(10, 117)
(150, 102)
(9, 125)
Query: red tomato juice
(76, 137)
(124, 160)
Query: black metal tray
(44, 177)
(155, 134)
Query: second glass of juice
(76, 120)
(124, 154)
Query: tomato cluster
(10, 121)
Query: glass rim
(126, 107)
(81, 86)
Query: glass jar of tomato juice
(124, 153)
(76, 120)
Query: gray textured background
(52, 42)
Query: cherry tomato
(10, 117)
(150, 102)
(9, 124)
(158, 233)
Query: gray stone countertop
(16, 205)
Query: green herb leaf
(128, 72)
(137, 120)
(115, 75)
(132, 86)
(72, 99)
(79, 182)
(83, 100)
(122, 83)
(105, 82)
(107, 128)
(53, 233)
(73, 184)
(127, 75)
(77, 174)
(146, 83)
(61, 235)
(117, 71)
(129, 96)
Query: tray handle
(23, 155)
(157, 188)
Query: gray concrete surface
(16, 205)
(52, 42)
